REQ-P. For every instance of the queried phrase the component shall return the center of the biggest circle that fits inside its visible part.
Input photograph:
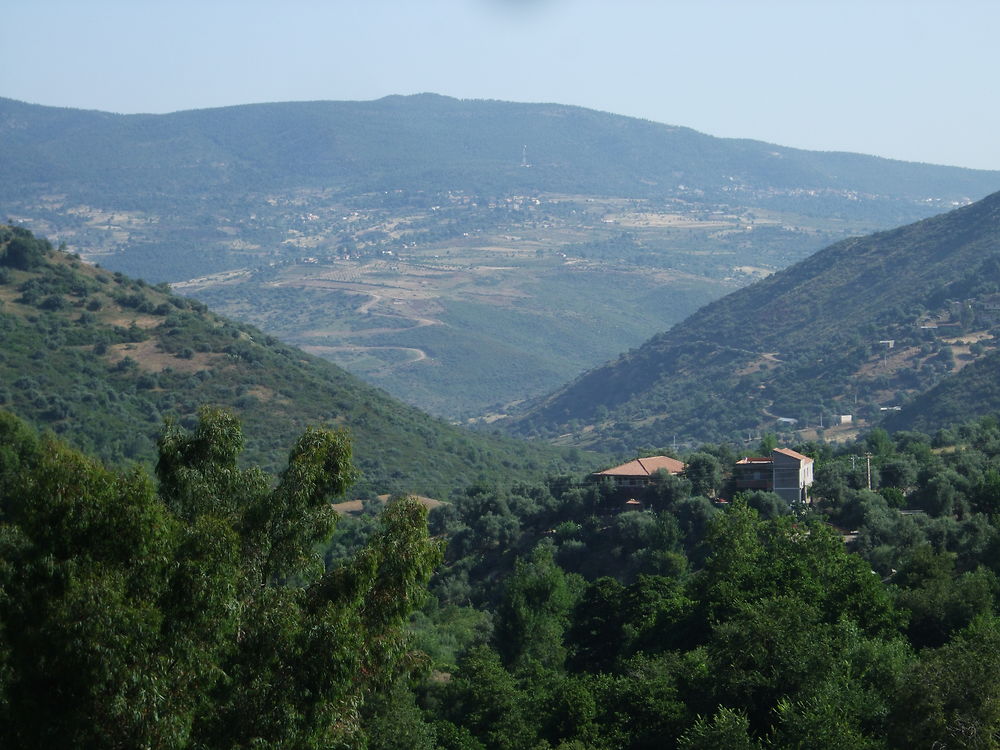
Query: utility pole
(889, 344)
(868, 459)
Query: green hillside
(103, 359)
(966, 395)
(857, 329)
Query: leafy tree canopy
(194, 611)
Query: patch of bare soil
(354, 507)
(348, 507)
(842, 433)
(142, 321)
(890, 361)
(764, 361)
(149, 358)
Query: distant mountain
(103, 359)
(430, 142)
(462, 254)
(858, 328)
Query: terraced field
(465, 310)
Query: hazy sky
(907, 79)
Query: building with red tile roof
(639, 472)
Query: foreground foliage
(752, 625)
(194, 611)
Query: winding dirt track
(365, 308)
(416, 355)
(320, 350)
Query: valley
(104, 360)
(466, 256)
(461, 305)
(338, 414)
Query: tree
(535, 611)
(196, 612)
(596, 632)
(899, 471)
(752, 560)
(786, 608)
(666, 490)
(879, 443)
(939, 495)
(827, 719)
(985, 497)
(768, 505)
(938, 601)
(768, 442)
(20, 249)
(727, 730)
(952, 695)
(484, 698)
(705, 474)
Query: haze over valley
(464, 255)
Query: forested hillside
(103, 359)
(858, 328)
(866, 620)
(193, 609)
(973, 391)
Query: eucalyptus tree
(194, 610)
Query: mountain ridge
(806, 338)
(440, 134)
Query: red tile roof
(792, 454)
(644, 467)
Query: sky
(903, 79)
